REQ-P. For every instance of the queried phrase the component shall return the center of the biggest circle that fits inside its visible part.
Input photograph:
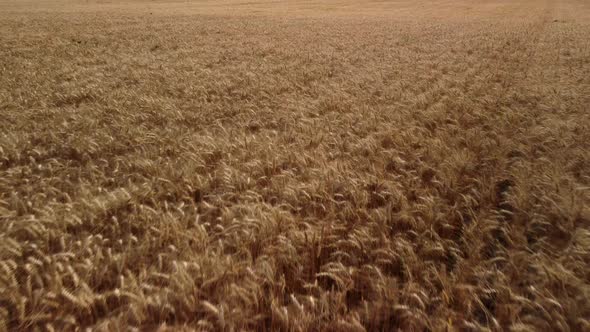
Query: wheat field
(317, 165)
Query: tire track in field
(546, 130)
(470, 78)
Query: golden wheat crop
(295, 165)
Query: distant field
(295, 165)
